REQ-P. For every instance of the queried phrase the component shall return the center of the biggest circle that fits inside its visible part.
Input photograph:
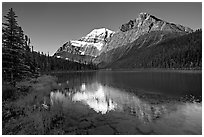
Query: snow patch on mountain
(99, 33)
(77, 43)
(90, 45)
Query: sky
(50, 25)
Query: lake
(130, 102)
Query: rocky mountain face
(174, 51)
(103, 46)
(144, 23)
(90, 45)
(145, 30)
(143, 42)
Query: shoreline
(131, 70)
(158, 70)
(31, 105)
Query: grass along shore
(23, 111)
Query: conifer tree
(13, 61)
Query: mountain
(144, 23)
(107, 49)
(176, 51)
(146, 29)
(144, 41)
(86, 47)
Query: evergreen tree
(13, 61)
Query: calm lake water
(120, 102)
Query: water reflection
(187, 119)
(103, 99)
(94, 96)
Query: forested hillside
(183, 52)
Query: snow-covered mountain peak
(101, 30)
(100, 33)
(91, 44)
(143, 13)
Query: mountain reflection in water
(103, 99)
(146, 103)
(95, 97)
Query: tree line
(181, 52)
(19, 60)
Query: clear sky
(50, 25)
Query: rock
(145, 129)
(145, 23)
(82, 132)
(71, 133)
(126, 128)
(103, 130)
(70, 129)
(84, 124)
